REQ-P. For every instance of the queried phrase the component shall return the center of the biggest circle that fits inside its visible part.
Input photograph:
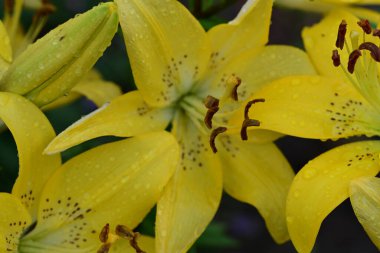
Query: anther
(354, 56)
(249, 104)
(105, 248)
(247, 123)
(376, 33)
(134, 244)
(103, 236)
(213, 136)
(365, 25)
(341, 34)
(235, 81)
(9, 6)
(124, 232)
(336, 58)
(375, 51)
(212, 104)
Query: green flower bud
(51, 66)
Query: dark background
(237, 227)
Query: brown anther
(342, 30)
(134, 244)
(234, 93)
(9, 6)
(213, 136)
(336, 58)
(103, 236)
(376, 33)
(354, 56)
(105, 248)
(365, 25)
(247, 123)
(249, 104)
(375, 51)
(124, 232)
(212, 104)
(46, 9)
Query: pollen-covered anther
(354, 56)
(212, 104)
(365, 25)
(105, 248)
(249, 105)
(342, 30)
(235, 82)
(9, 6)
(126, 233)
(376, 33)
(247, 123)
(375, 51)
(103, 236)
(213, 136)
(335, 58)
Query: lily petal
(14, 219)
(166, 45)
(5, 44)
(314, 107)
(249, 30)
(258, 174)
(192, 197)
(116, 183)
(364, 196)
(323, 184)
(270, 63)
(32, 132)
(125, 116)
(146, 243)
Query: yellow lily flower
(89, 202)
(324, 6)
(176, 66)
(34, 73)
(342, 102)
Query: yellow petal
(271, 63)
(32, 132)
(14, 219)
(127, 115)
(323, 184)
(146, 243)
(257, 174)
(166, 46)
(5, 44)
(365, 199)
(191, 198)
(314, 107)
(249, 30)
(364, 13)
(116, 183)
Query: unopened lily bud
(50, 67)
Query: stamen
(365, 25)
(45, 10)
(235, 81)
(249, 104)
(341, 34)
(336, 58)
(376, 33)
(212, 104)
(9, 6)
(247, 123)
(124, 232)
(134, 243)
(105, 248)
(354, 56)
(213, 136)
(103, 236)
(375, 51)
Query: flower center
(361, 66)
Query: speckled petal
(192, 197)
(314, 107)
(323, 184)
(365, 199)
(116, 183)
(32, 132)
(167, 47)
(127, 115)
(257, 174)
(14, 219)
(249, 30)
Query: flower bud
(51, 66)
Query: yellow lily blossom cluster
(207, 110)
